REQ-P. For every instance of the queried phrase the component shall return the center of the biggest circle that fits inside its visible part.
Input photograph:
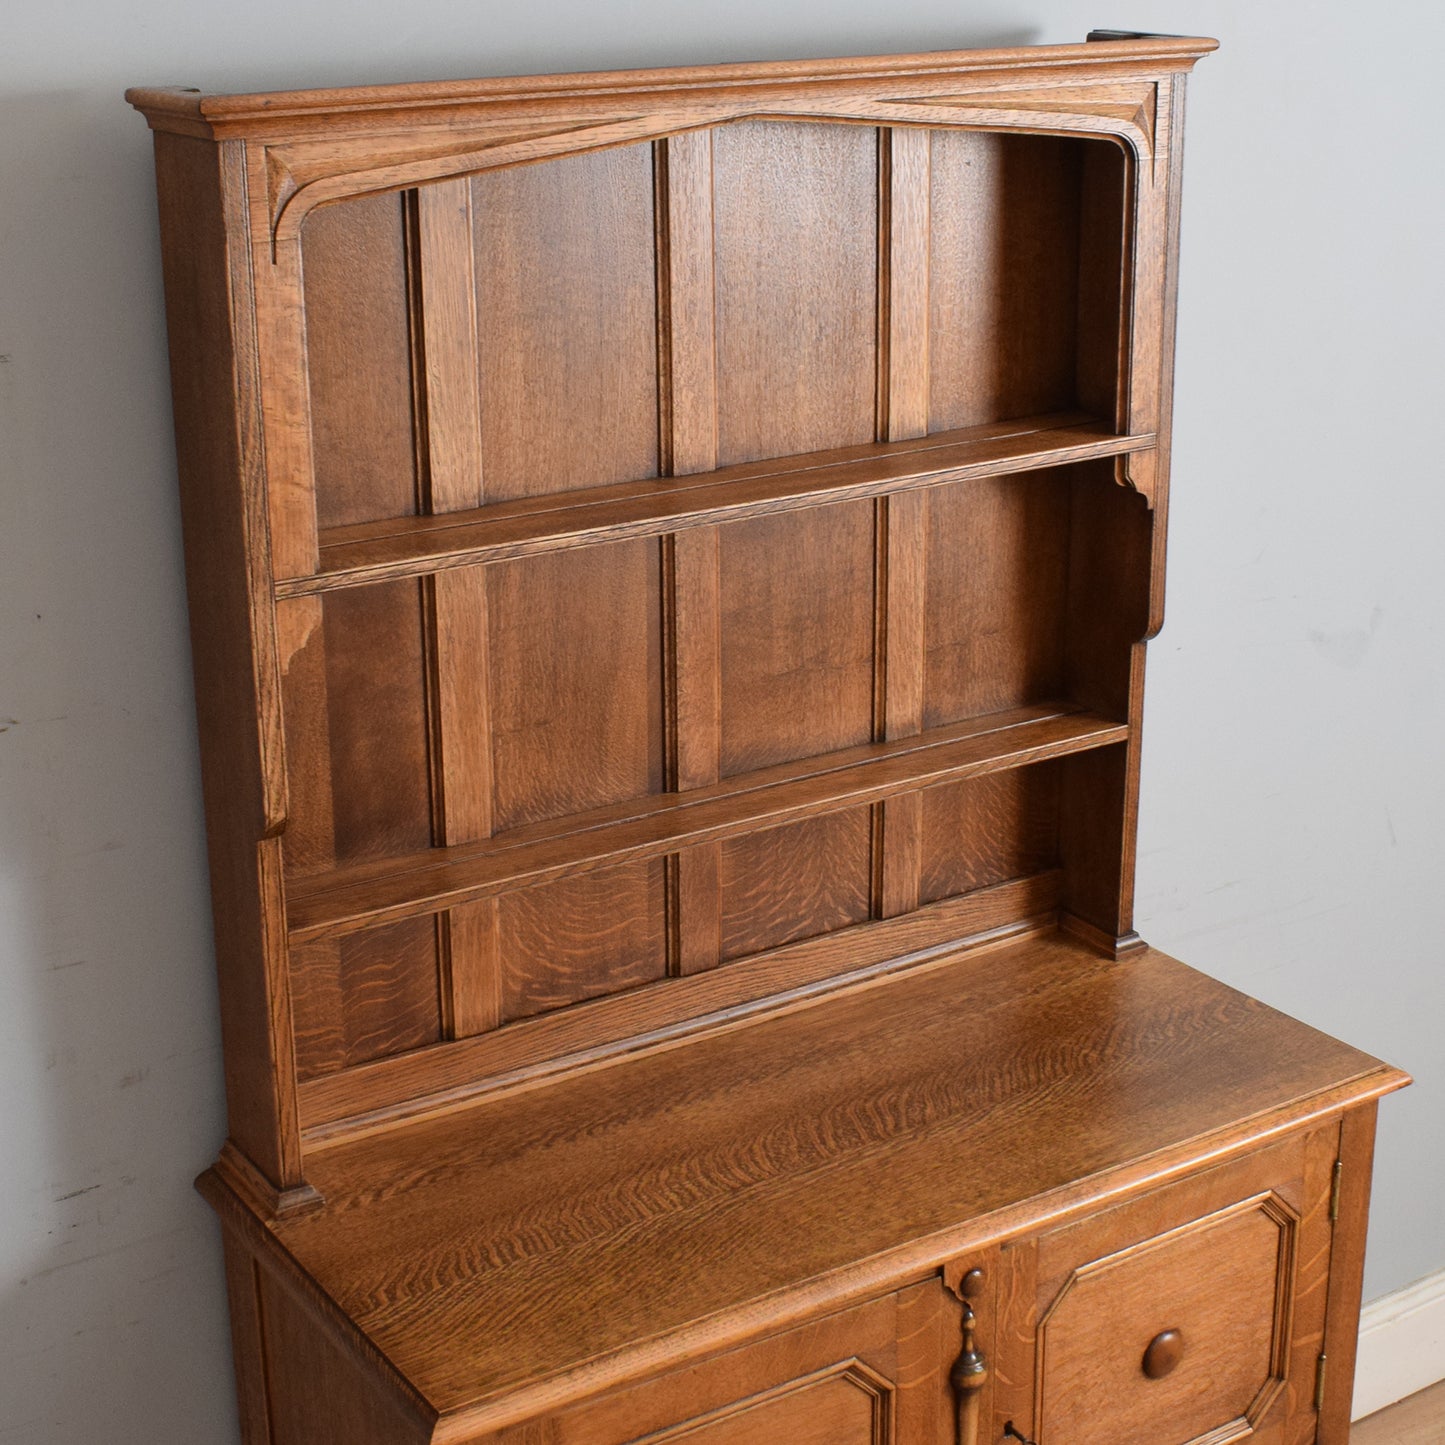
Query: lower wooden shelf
(485, 1266)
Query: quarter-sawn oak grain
(671, 555)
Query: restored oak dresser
(670, 560)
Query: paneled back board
(663, 547)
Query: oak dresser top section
(658, 542)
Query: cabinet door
(1193, 1315)
(876, 1374)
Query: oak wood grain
(215, 388)
(390, 1092)
(366, 996)
(365, 894)
(1347, 1260)
(784, 884)
(795, 263)
(796, 597)
(859, 1375)
(579, 937)
(739, 1145)
(997, 557)
(447, 369)
(567, 312)
(673, 821)
(575, 645)
(688, 422)
(372, 552)
(980, 832)
(1003, 278)
(378, 105)
(358, 361)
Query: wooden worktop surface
(504, 1255)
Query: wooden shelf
(417, 546)
(549, 1238)
(366, 895)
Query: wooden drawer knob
(1164, 1352)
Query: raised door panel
(1213, 1287)
(845, 1405)
(875, 1374)
(1193, 1315)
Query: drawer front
(1193, 1314)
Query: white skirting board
(1402, 1345)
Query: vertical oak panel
(988, 830)
(582, 937)
(902, 555)
(997, 578)
(905, 197)
(219, 401)
(905, 192)
(286, 408)
(797, 635)
(1004, 276)
(366, 996)
(1103, 230)
(1112, 536)
(376, 721)
(359, 361)
(576, 667)
(797, 252)
(795, 882)
(686, 278)
(309, 842)
(796, 279)
(450, 368)
(566, 298)
(697, 712)
(688, 365)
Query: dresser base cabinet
(1151, 1217)
(671, 555)
(1197, 1312)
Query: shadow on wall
(112, 1324)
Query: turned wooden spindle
(970, 1369)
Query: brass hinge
(1320, 1384)
(1335, 1191)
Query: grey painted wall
(1293, 832)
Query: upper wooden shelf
(415, 546)
(365, 895)
(549, 1239)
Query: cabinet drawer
(1194, 1314)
